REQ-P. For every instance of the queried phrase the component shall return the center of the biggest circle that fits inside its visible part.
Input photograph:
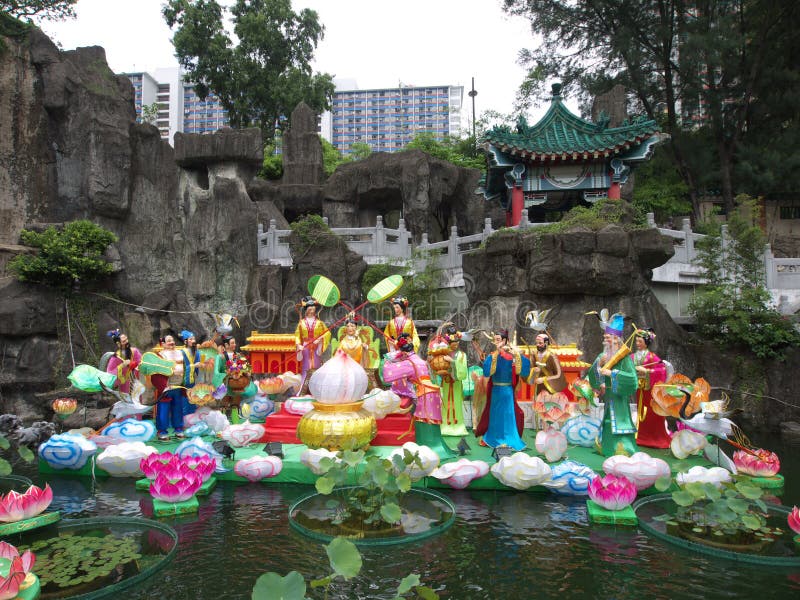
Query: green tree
(733, 307)
(460, 152)
(66, 257)
(331, 157)
(700, 65)
(659, 188)
(359, 151)
(149, 113)
(261, 74)
(49, 10)
(272, 167)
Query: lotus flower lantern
(338, 420)
(64, 407)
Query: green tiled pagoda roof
(563, 135)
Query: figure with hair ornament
(125, 361)
(502, 421)
(399, 323)
(652, 430)
(411, 380)
(171, 393)
(613, 377)
(358, 344)
(311, 340)
(232, 370)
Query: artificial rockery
(186, 220)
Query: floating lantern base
(28, 524)
(598, 514)
(29, 589)
(774, 482)
(170, 509)
(143, 485)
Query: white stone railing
(379, 245)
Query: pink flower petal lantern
(612, 492)
(761, 463)
(794, 522)
(18, 507)
(176, 486)
(18, 571)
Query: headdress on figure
(400, 300)
(308, 302)
(405, 343)
(351, 318)
(186, 335)
(114, 334)
(648, 335)
(224, 322)
(615, 325)
(545, 337)
(503, 333)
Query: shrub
(66, 258)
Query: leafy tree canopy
(707, 66)
(66, 257)
(264, 71)
(52, 10)
(460, 152)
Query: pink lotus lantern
(202, 465)
(152, 465)
(176, 484)
(794, 520)
(17, 507)
(64, 407)
(761, 463)
(612, 492)
(18, 571)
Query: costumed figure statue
(650, 371)
(411, 380)
(233, 370)
(613, 376)
(400, 323)
(452, 378)
(170, 393)
(502, 421)
(125, 361)
(354, 341)
(191, 368)
(311, 339)
(546, 377)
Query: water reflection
(503, 545)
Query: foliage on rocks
(66, 257)
(734, 308)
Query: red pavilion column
(517, 202)
(614, 191)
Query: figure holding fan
(311, 338)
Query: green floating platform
(28, 524)
(143, 485)
(170, 509)
(598, 514)
(30, 587)
(766, 483)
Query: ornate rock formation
(432, 194)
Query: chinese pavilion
(562, 161)
(273, 353)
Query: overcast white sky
(378, 43)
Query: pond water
(502, 545)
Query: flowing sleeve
(657, 371)
(298, 333)
(412, 330)
(487, 366)
(624, 377)
(459, 366)
(595, 379)
(319, 328)
(525, 368)
(390, 333)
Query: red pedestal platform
(282, 427)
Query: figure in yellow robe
(311, 339)
(400, 323)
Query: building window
(790, 212)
